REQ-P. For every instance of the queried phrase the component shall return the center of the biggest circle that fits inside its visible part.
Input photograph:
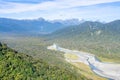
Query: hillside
(101, 39)
(89, 28)
(17, 66)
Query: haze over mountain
(58, 27)
(35, 26)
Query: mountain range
(36, 26)
(90, 28)
(58, 27)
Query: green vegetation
(100, 39)
(97, 38)
(71, 56)
(18, 66)
(105, 48)
(37, 48)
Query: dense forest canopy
(19, 66)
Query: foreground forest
(19, 66)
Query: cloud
(10, 7)
(26, 1)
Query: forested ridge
(19, 66)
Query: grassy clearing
(112, 60)
(71, 56)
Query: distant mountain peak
(89, 28)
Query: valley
(108, 70)
(59, 39)
(105, 46)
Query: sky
(102, 10)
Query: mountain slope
(114, 26)
(17, 66)
(91, 28)
(101, 39)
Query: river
(107, 70)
